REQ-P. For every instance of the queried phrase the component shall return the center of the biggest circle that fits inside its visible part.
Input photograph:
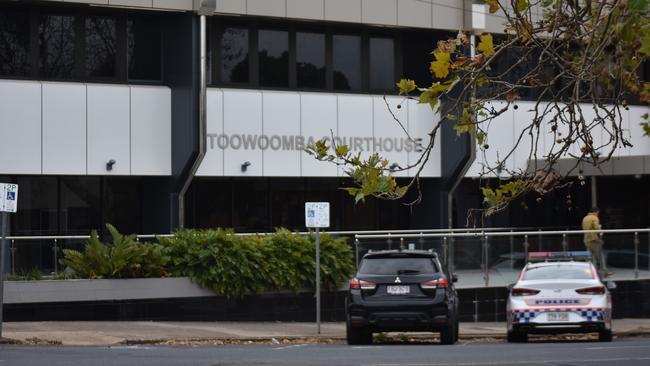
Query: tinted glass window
(559, 272)
(57, 45)
(121, 206)
(346, 55)
(382, 64)
(416, 58)
(101, 46)
(397, 266)
(274, 58)
(14, 42)
(144, 47)
(80, 203)
(234, 55)
(310, 60)
(250, 205)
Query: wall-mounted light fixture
(109, 164)
(245, 166)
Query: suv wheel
(449, 334)
(357, 336)
(517, 337)
(605, 336)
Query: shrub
(125, 257)
(234, 265)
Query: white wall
(506, 129)
(286, 121)
(76, 128)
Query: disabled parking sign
(317, 214)
(8, 197)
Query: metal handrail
(479, 234)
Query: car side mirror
(611, 285)
(454, 278)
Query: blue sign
(11, 196)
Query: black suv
(400, 290)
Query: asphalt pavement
(623, 351)
(97, 333)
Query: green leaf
(480, 137)
(406, 86)
(522, 5)
(645, 41)
(440, 67)
(486, 45)
(494, 5)
(342, 150)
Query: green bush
(234, 265)
(125, 257)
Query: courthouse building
(100, 116)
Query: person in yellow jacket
(593, 242)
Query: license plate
(557, 317)
(398, 290)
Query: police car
(559, 292)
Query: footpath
(98, 333)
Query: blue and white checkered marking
(526, 316)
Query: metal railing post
(56, 256)
(486, 272)
(356, 251)
(401, 244)
(445, 250)
(526, 245)
(389, 242)
(12, 250)
(421, 241)
(565, 246)
(512, 249)
(636, 255)
(539, 240)
(648, 251)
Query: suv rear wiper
(407, 271)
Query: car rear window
(397, 266)
(559, 272)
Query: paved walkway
(112, 333)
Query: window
(417, 57)
(382, 64)
(346, 53)
(101, 46)
(273, 53)
(57, 45)
(310, 60)
(14, 43)
(234, 55)
(79, 43)
(559, 272)
(397, 266)
(144, 45)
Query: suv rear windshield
(397, 266)
(559, 272)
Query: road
(629, 352)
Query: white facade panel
(318, 118)
(212, 164)
(306, 9)
(271, 8)
(108, 129)
(141, 3)
(64, 128)
(281, 113)
(414, 13)
(343, 10)
(390, 136)
(641, 143)
(379, 11)
(355, 124)
(422, 120)
(20, 123)
(173, 4)
(231, 6)
(242, 123)
(151, 138)
(447, 14)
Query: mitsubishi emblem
(397, 280)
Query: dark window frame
(81, 13)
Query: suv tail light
(361, 284)
(434, 284)
(596, 290)
(524, 291)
